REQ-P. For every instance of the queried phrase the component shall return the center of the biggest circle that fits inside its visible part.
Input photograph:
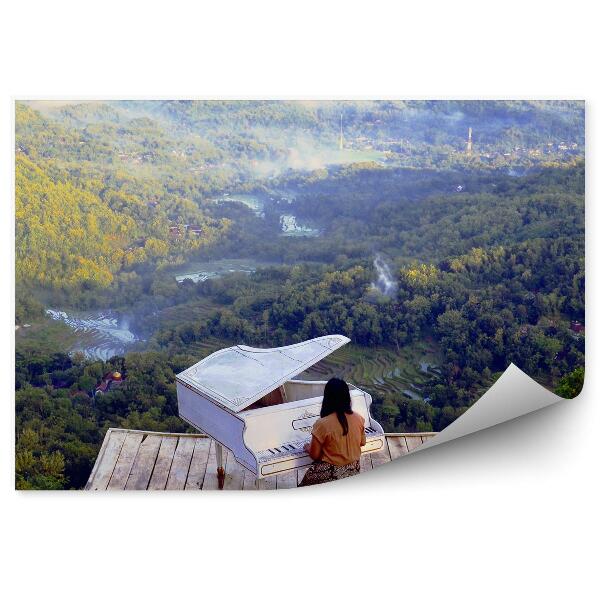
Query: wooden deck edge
(99, 458)
(203, 435)
(112, 430)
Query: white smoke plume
(385, 284)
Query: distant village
(177, 231)
(388, 147)
(404, 146)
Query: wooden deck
(147, 460)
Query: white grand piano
(247, 400)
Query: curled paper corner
(513, 395)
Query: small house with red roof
(112, 380)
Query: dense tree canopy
(486, 253)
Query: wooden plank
(249, 481)
(268, 483)
(210, 477)
(234, 473)
(301, 473)
(98, 460)
(144, 463)
(252, 483)
(126, 461)
(366, 462)
(397, 446)
(161, 433)
(158, 481)
(127, 455)
(413, 442)
(381, 457)
(287, 480)
(195, 477)
(181, 464)
(108, 460)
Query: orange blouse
(337, 448)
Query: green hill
(65, 235)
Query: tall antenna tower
(470, 143)
(341, 131)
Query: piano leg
(220, 469)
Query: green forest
(485, 247)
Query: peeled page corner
(513, 395)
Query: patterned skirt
(321, 472)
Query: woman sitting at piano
(336, 437)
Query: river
(291, 227)
(108, 332)
(289, 224)
(255, 203)
(203, 270)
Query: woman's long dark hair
(336, 399)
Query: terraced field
(380, 370)
(186, 313)
(207, 346)
(98, 335)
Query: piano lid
(237, 377)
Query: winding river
(105, 333)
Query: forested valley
(482, 254)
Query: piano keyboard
(292, 455)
